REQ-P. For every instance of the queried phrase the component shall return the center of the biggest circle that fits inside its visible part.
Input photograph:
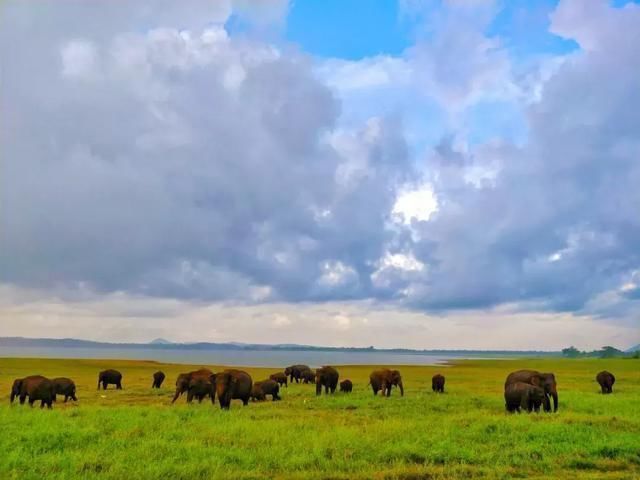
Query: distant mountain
(633, 349)
(162, 344)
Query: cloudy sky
(425, 174)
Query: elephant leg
(375, 390)
(119, 386)
(104, 385)
(31, 402)
(22, 399)
(245, 401)
(73, 397)
(189, 397)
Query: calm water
(246, 358)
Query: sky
(401, 173)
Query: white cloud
(418, 204)
(79, 59)
(178, 161)
(120, 317)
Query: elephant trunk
(176, 395)
(554, 395)
(401, 388)
(318, 388)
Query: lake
(247, 358)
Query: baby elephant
(158, 378)
(606, 381)
(200, 388)
(279, 377)
(523, 396)
(437, 383)
(308, 376)
(346, 386)
(66, 387)
(260, 390)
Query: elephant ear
(234, 380)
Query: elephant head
(15, 388)
(287, 371)
(225, 384)
(182, 385)
(547, 381)
(393, 378)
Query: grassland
(136, 434)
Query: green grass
(465, 433)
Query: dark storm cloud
(186, 164)
(155, 155)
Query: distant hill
(633, 349)
(162, 344)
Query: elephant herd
(37, 387)
(524, 390)
(528, 390)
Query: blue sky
(356, 29)
(350, 30)
(438, 174)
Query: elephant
(346, 386)
(201, 387)
(233, 384)
(15, 388)
(35, 387)
(294, 372)
(523, 396)
(437, 383)
(308, 376)
(108, 377)
(384, 380)
(158, 378)
(545, 380)
(326, 377)
(66, 387)
(184, 379)
(606, 381)
(279, 377)
(265, 387)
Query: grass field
(465, 433)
